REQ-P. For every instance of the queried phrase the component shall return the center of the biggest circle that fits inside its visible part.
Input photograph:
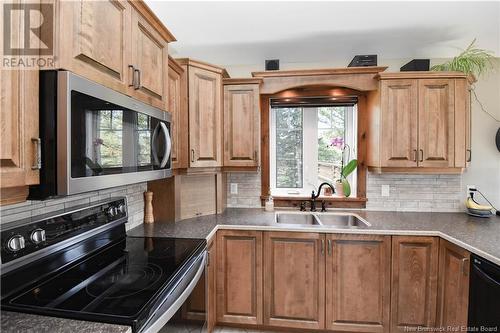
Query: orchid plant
(346, 168)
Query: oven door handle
(168, 145)
(167, 309)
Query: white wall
(484, 170)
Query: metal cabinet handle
(469, 158)
(37, 165)
(255, 155)
(421, 155)
(322, 247)
(414, 155)
(464, 266)
(132, 84)
(329, 247)
(192, 155)
(138, 83)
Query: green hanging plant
(472, 60)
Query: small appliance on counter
(80, 264)
(476, 209)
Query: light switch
(234, 188)
(385, 190)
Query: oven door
(107, 139)
(184, 309)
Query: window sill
(331, 202)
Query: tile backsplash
(439, 193)
(443, 193)
(248, 195)
(134, 194)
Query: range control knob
(122, 208)
(111, 211)
(15, 243)
(37, 236)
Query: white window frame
(310, 156)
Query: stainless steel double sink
(340, 219)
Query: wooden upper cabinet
(93, 40)
(150, 61)
(19, 154)
(119, 44)
(358, 270)
(453, 285)
(463, 152)
(205, 117)
(177, 106)
(294, 275)
(420, 120)
(399, 123)
(241, 124)
(436, 108)
(239, 277)
(414, 282)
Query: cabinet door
(358, 269)
(462, 148)
(294, 275)
(150, 60)
(453, 285)
(436, 107)
(19, 126)
(414, 282)
(178, 107)
(94, 37)
(239, 277)
(211, 295)
(399, 123)
(205, 118)
(241, 125)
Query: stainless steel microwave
(93, 137)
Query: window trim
(326, 90)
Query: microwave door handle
(168, 145)
(153, 147)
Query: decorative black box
(416, 65)
(272, 65)
(363, 60)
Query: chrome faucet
(314, 196)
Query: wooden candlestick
(148, 207)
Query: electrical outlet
(469, 188)
(234, 188)
(385, 190)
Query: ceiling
(244, 33)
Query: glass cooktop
(120, 281)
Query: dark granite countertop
(13, 322)
(478, 235)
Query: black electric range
(83, 266)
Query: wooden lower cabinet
(414, 282)
(340, 282)
(453, 285)
(239, 277)
(211, 295)
(294, 275)
(358, 269)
